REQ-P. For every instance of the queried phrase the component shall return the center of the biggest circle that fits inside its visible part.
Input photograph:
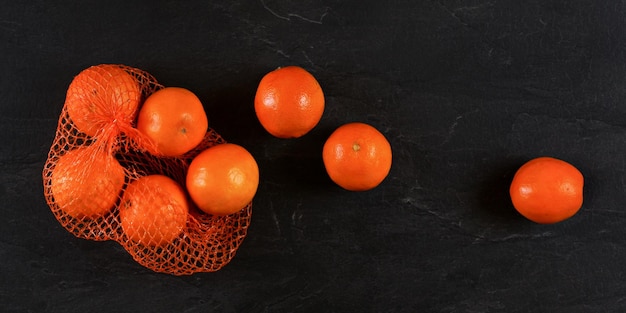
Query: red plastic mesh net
(92, 174)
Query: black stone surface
(465, 91)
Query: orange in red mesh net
(100, 184)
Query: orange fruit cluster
(105, 102)
(114, 114)
(289, 103)
(117, 119)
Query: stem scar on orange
(357, 156)
(546, 190)
(289, 102)
(174, 119)
(223, 179)
(100, 95)
(86, 185)
(153, 210)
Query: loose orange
(289, 102)
(174, 119)
(357, 156)
(102, 95)
(153, 211)
(223, 179)
(546, 190)
(86, 183)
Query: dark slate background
(465, 91)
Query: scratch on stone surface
(424, 208)
(490, 44)
(480, 238)
(288, 16)
(306, 57)
(451, 130)
(453, 14)
(469, 8)
(608, 211)
(452, 127)
(272, 45)
(275, 217)
(281, 52)
(295, 295)
(296, 216)
(280, 300)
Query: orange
(546, 190)
(153, 211)
(223, 179)
(174, 119)
(102, 95)
(86, 185)
(357, 156)
(289, 102)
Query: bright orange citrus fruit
(289, 102)
(547, 190)
(100, 95)
(153, 210)
(174, 119)
(223, 179)
(357, 156)
(86, 185)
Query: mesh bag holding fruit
(135, 162)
